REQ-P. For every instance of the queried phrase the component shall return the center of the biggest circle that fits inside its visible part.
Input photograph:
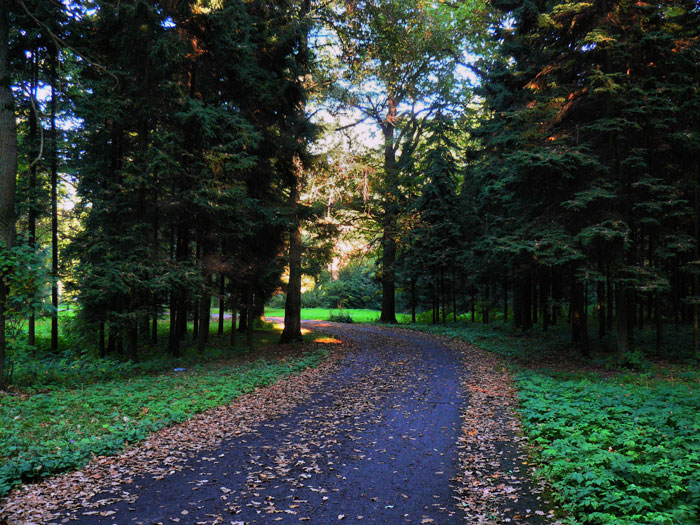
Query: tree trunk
(505, 300)
(154, 321)
(8, 169)
(243, 320)
(579, 325)
(600, 303)
(413, 301)
(658, 319)
(473, 301)
(181, 255)
(525, 301)
(234, 313)
(101, 339)
(696, 282)
(533, 295)
(112, 343)
(485, 306)
(388, 314)
(443, 297)
(222, 303)
(32, 197)
(621, 319)
(132, 340)
(453, 291)
(292, 304)
(610, 296)
(544, 298)
(54, 201)
(204, 313)
(195, 319)
(173, 334)
(249, 316)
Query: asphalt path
(376, 444)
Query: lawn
(617, 444)
(323, 314)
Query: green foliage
(355, 287)
(61, 428)
(341, 317)
(616, 453)
(24, 275)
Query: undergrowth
(616, 452)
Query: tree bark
(222, 303)
(413, 300)
(292, 305)
(505, 300)
(473, 301)
(388, 314)
(485, 306)
(234, 313)
(696, 281)
(101, 336)
(621, 318)
(544, 298)
(658, 319)
(32, 197)
(610, 296)
(249, 316)
(579, 325)
(54, 201)
(8, 168)
(204, 313)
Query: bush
(355, 287)
(340, 317)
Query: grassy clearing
(323, 314)
(618, 445)
(77, 408)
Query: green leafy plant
(340, 317)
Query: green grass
(323, 314)
(61, 428)
(617, 445)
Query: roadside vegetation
(617, 438)
(65, 409)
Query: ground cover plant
(616, 451)
(616, 438)
(61, 425)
